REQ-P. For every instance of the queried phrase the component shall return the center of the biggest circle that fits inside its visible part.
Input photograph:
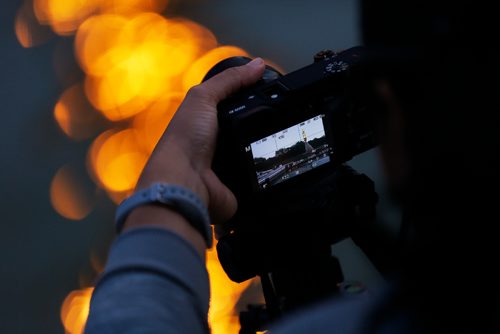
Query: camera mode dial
(336, 67)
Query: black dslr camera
(282, 148)
(288, 131)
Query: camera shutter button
(323, 55)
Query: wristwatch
(175, 197)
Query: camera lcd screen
(290, 152)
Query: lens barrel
(270, 73)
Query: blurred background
(87, 87)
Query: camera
(281, 149)
(287, 132)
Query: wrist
(164, 217)
(161, 201)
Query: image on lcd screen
(290, 152)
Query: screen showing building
(290, 152)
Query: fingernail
(257, 62)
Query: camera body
(287, 132)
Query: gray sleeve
(154, 282)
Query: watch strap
(178, 198)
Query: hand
(184, 154)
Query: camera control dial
(336, 67)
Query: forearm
(154, 281)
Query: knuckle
(201, 93)
(197, 91)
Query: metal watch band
(180, 199)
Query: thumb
(232, 79)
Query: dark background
(45, 256)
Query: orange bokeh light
(117, 94)
(64, 16)
(75, 310)
(74, 115)
(132, 6)
(69, 195)
(225, 294)
(133, 61)
(28, 30)
(117, 160)
(94, 43)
